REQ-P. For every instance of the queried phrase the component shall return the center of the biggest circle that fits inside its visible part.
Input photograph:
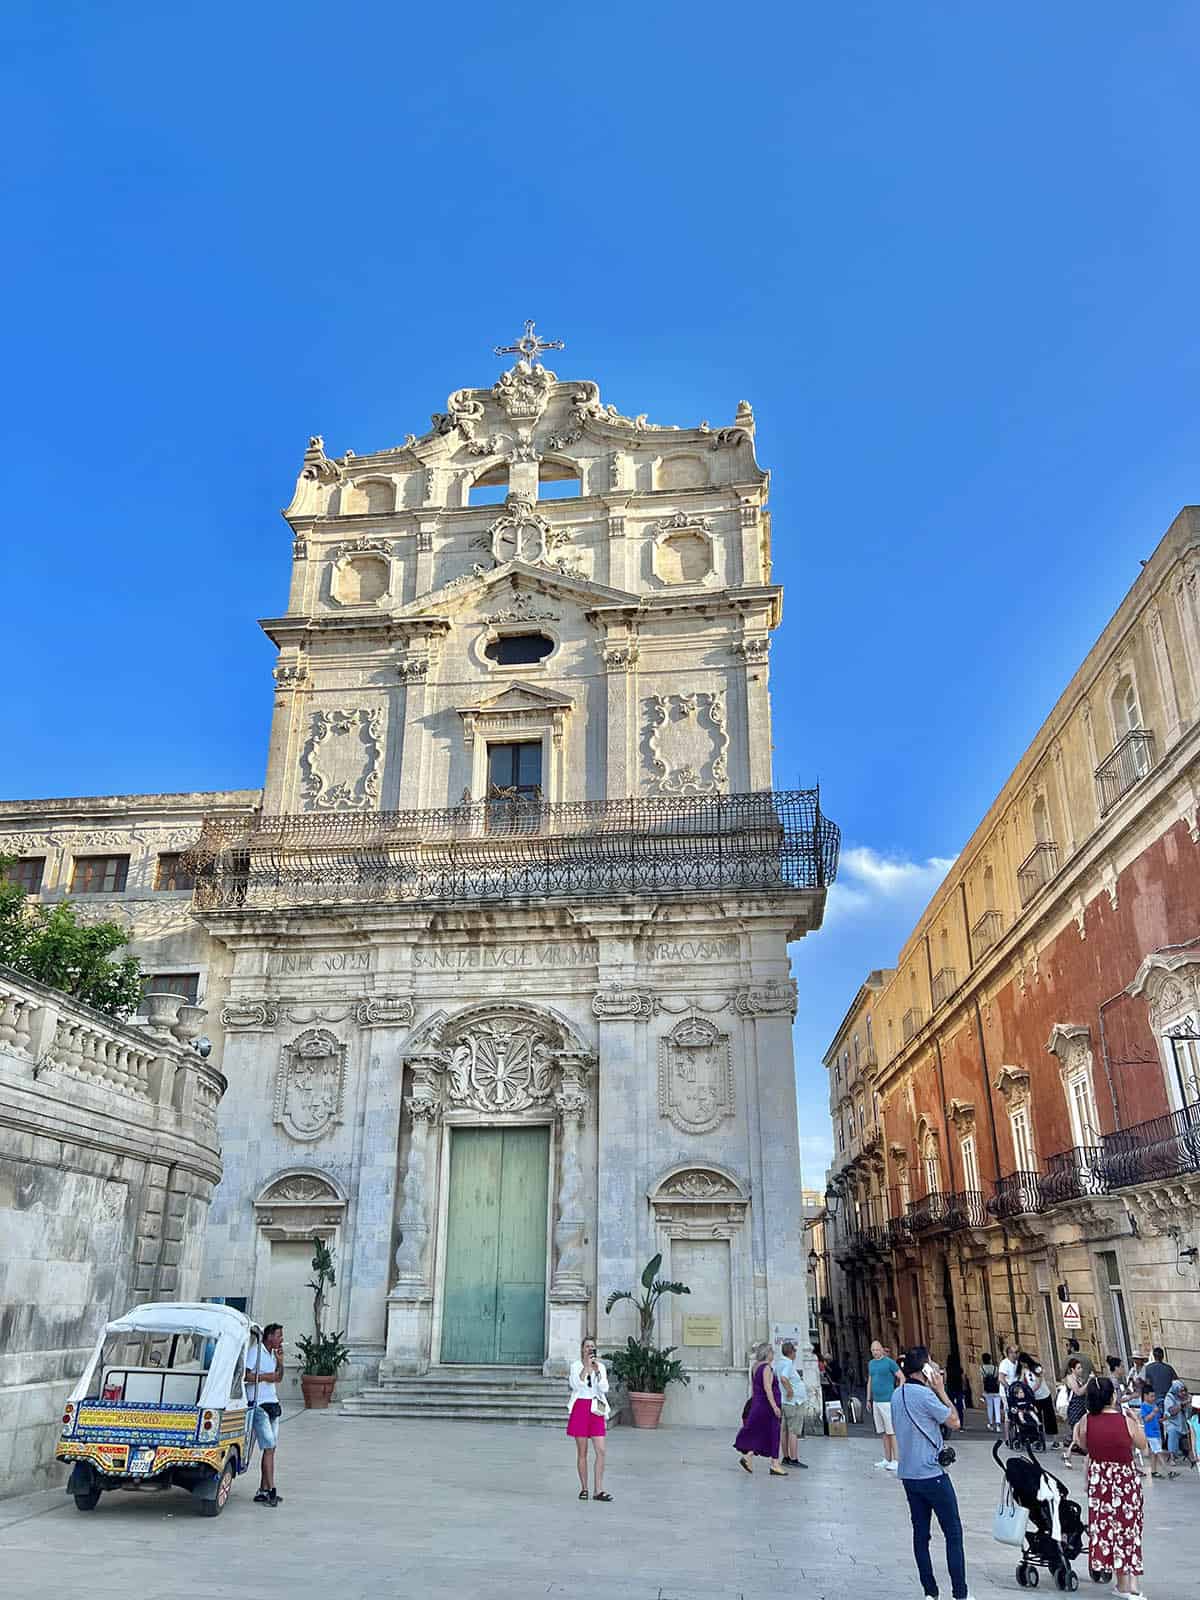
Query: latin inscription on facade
(323, 961)
(691, 950)
(488, 958)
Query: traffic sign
(1070, 1314)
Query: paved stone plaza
(376, 1509)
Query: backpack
(991, 1381)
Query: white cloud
(868, 879)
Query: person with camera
(920, 1410)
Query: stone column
(410, 1301)
(568, 1289)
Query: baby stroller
(1025, 1428)
(1055, 1529)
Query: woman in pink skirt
(588, 1409)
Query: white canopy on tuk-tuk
(162, 1319)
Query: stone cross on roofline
(529, 346)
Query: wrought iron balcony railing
(945, 981)
(967, 1209)
(770, 842)
(1124, 767)
(1037, 869)
(929, 1214)
(986, 932)
(900, 1232)
(912, 1022)
(1017, 1195)
(1074, 1174)
(1164, 1147)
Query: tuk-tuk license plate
(141, 1461)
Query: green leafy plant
(654, 1287)
(49, 943)
(645, 1369)
(326, 1277)
(323, 1355)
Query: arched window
(930, 1164)
(989, 889)
(558, 480)
(1126, 713)
(1041, 821)
(490, 488)
(857, 1051)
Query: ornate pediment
(1169, 982)
(962, 1115)
(1012, 1084)
(483, 587)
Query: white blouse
(594, 1386)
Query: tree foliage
(50, 944)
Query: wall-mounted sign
(1070, 1314)
(703, 1331)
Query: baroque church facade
(496, 964)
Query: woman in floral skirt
(1108, 1437)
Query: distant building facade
(497, 962)
(1016, 1103)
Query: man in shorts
(264, 1369)
(883, 1375)
(795, 1395)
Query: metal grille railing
(929, 1213)
(1037, 869)
(945, 981)
(912, 1022)
(967, 1209)
(766, 842)
(1075, 1173)
(1124, 767)
(986, 932)
(1016, 1195)
(1164, 1147)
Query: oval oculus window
(519, 649)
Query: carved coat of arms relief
(695, 1076)
(310, 1084)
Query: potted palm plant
(323, 1354)
(642, 1367)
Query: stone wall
(108, 1160)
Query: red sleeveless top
(1108, 1438)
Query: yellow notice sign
(703, 1331)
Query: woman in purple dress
(759, 1435)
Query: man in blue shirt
(920, 1409)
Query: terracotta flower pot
(646, 1408)
(317, 1392)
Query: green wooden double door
(494, 1298)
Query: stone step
(547, 1386)
(462, 1406)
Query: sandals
(778, 1472)
(603, 1495)
(745, 1465)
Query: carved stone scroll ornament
(259, 1014)
(695, 1076)
(685, 741)
(765, 1000)
(340, 763)
(697, 1185)
(310, 1084)
(384, 1013)
(615, 1003)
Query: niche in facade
(360, 580)
(684, 557)
(682, 472)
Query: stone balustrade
(109, 1139)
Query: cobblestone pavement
(375, 1508)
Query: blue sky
(949, 253)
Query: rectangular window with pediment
(1024, 1155)
(970, 1163)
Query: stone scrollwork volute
(310, 1084)
(614, 1003)
(341, 759)
(686, 743)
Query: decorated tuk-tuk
(161, 1404)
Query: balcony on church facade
(769, 842)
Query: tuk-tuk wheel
(215, 1506)
(88, 1501)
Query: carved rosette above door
(695, 1076)
(300, 1205)
(685, 743)
(341, 760)
(310, 1084)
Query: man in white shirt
(795, 1396)
(264, 1369)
